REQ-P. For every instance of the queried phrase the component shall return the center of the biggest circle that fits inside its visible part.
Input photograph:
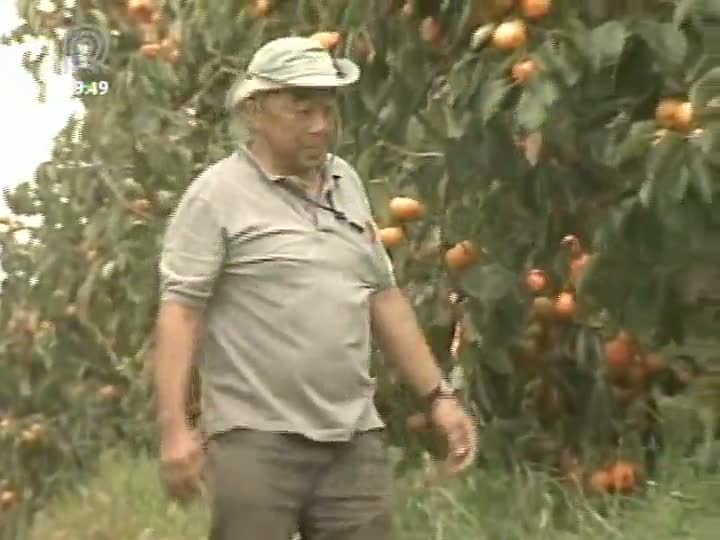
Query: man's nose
(320, 122)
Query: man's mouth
(315, 149)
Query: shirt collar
(329, 182)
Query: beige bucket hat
(292, 62)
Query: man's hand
(181, 462)
(450, 419)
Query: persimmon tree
(544, 173)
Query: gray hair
(241, 127)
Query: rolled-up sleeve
(385, 271)
(192, 253)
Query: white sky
(27, 127)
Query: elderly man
(272, 274)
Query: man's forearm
(401, 338)
(178, 330)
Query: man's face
(298, 125)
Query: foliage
(510, 157)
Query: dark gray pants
(267, 486)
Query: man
(272, 275)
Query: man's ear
(253, 106)
(244, 122)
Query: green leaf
(84, 293)
(682, 11)
(547, 91)
(663, 167)
(415, 134)
(709, 140)
(436, 116)
(581, 348)
(705, 93)
(666, 40)
(636, 143)
(666, 157)
(679, 188)
(646, 192)
(607, 43)
(145, 121)
(481, 36)
(488, 283)
(460, 79)
(456, 121)
(166, 200)
(499, 361)
(492, 96)
(101, 19)
(25, 386)
(379, 193)
(556, 59)
(708, 8)
(355, 12)
(701, 176)
(108, 269)
(531, 112)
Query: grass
(490, 506)
(125, 502)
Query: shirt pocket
(352, 248)
(274, 251)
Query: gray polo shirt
(286, 287)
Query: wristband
(442, 391)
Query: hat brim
(347, 73)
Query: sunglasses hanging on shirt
(329, 207)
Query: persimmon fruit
(510, 35)
(263, 8)
(565, 305)
(655, 364)
(328, 40)
(143, 11)
(574, 243)
(431, 30)
(523, 71)
(392, 237)
(110, 391)
(618, 356)
(578, 266)
(462, 256)
(8, 500)
(140, 206)
(665, 112)
(150, 50)
(684, 117)
(672, 113)
(406, 209)
(600, 482)
(623, 477)
(535, 9)
(537, 280)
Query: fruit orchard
(545, 174)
